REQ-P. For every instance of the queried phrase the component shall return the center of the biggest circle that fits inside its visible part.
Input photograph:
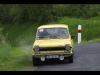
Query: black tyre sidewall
(71, 58)
(36, 61)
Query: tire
(70, 58)
(35, 61)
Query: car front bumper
(59, 53)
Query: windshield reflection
(52, 33)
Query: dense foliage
(18, 20)
(41, 13)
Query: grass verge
(15, 58)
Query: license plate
(52, 56)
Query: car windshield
(52, 33)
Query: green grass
(91, 41)
(16, 51)
(15, 58)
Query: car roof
(53, 26)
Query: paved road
(86, 58)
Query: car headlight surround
(36, 48)
(68, 47)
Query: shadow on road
(53, 62)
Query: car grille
(52, 49)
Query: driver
(43, 33)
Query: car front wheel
(36, 61)
(70, 58)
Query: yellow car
(52, 41)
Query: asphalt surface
(86, 58)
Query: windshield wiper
(46, 37)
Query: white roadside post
(79, 33)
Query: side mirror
(72, 36)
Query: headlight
(67, 47)
(36, 48)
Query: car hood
(52, 42)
